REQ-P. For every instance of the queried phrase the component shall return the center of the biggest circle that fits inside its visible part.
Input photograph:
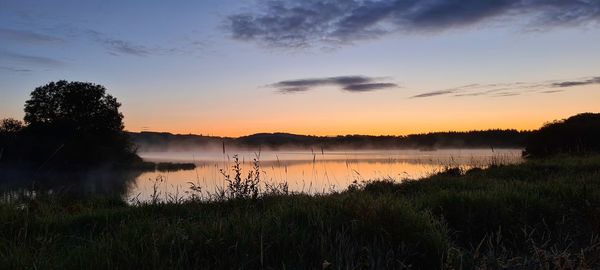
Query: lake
(309, 172)
(306, 171)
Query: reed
(541, 214)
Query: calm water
(311, 172)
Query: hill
(155, 141)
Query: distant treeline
(154, 141)
(578, 134)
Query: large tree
(81, 105)
(73, 125)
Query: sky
(381, 67)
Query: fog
(312, 171)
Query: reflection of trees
(470, 159)
(76, 183)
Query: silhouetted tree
(579, 134)
(79, 105)
(10, 126)
(72, 125)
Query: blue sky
(314, 67)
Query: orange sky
(380, 113)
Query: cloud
(595, 80)
(28, 37)
(506, 94)
(31, 59)
(366, 87)
(552, 91)
(119, 47)
(510, 89)
(346, 83)
(114, 46)
(16, 69)
(124, 47)
(306, 23)
(434, 93)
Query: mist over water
(309, 171)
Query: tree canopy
(81, 105)
(69, 125)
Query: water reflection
(312, 172)
(309, 172)
(75, 183)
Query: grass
(542, 214)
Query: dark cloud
(346, 83)
(27, 37)
(510, 89)
(31, 59)
(595, 80)
(305, 23)
(434, 93)
(366, 87)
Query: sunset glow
(198, 73)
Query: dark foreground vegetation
(543, 214)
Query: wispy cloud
(31, 59)
(346, 83)
(113, 46)
(510, 89)
(25, 36)
(16, 69)
(119, 47)
(434, 93)
(552, 91)
(595, 80)
(291, 23)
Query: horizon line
(329, 136)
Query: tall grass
(542, 214)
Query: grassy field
(543, 214)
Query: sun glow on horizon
(406, 116)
